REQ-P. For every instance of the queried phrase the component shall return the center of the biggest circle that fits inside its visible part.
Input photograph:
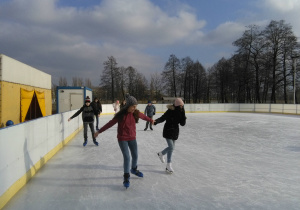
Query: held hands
(96, 134)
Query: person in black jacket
(97, 110)
(174, 116)
(87, 118)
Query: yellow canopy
(26, 98)
(41, 99)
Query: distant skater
(174, 116)
(97, 110)
(127, 118)
(149, 111)
(116, 106)
(88, 120)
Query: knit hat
(130, 101)
(178, 102)
(149, 102)
(87, 99)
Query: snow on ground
(221, 161)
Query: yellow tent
(26, 100)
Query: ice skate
(169, 168)
(126, 182)
(95, 142)
(136, 172)
(161, 157)
(85, 142)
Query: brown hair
(120, 115)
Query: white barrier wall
(198, 108)
(26, 147)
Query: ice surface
(221, 161)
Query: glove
(154, 113)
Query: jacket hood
(171, 106)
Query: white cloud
(75, 41)
(283, 5)
(225, 34)
(67, 41)
(287, 10)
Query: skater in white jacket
(116, 106)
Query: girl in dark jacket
(173, 116)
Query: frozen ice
(221, 161)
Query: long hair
(120, 115)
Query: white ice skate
(169, 168)
(161, 157)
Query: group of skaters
(127, 115)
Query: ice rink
(221, 161)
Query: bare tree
(132, 73)
(155, 86)
(74, 81)
(109, 75)
(88, 83)
(276, 33)
(170, 74)
(122, 81)
(63, 81)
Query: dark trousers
(97, 121)
(147, 123)
(85, 130)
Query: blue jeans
(126, 156)
(169, 150)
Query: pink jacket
(126, 127)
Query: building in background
(25, 92)
(70, 98)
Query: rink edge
(12, 191)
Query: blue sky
(72, 38)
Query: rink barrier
(201, 108)
(26, 147)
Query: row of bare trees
(117, 81)
(260, 71)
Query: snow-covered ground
(221, 161)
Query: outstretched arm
(144, 117)
(162, 118)
(76, 114)
(106, 126)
